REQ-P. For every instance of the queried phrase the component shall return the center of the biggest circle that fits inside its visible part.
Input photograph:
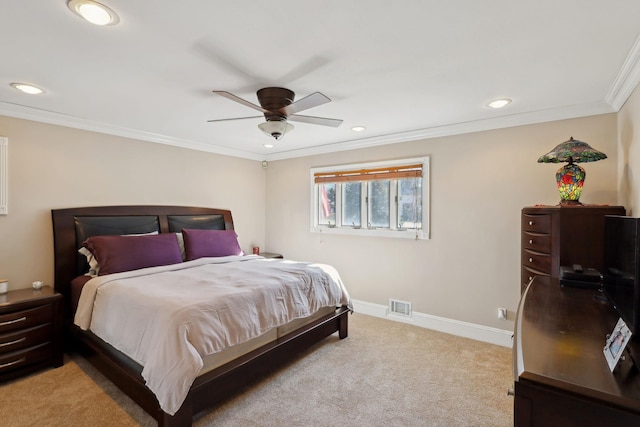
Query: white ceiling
(407, 69)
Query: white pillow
(94, 267)
(181, 244)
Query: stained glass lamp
(571, 177)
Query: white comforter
(168, 318)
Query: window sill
(373, 232)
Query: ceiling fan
(278, 106)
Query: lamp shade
(570, 178)
(572, 151)
(275, 128)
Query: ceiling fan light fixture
(93, 12)
(275, 128)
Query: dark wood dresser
(30, 331)
(561, 375)
(562, 235)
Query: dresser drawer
(536, 241)
(26, 318)
(25, 338)
(536, 223)
(28, 356)
(536, 261)
(529, 274)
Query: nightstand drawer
(25, 357)
(536, 261)
(25, 338)
(536, 241)
(536, 223)
(30, 331)
(26, 318)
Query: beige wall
(480, 182)
(629, 154)
(468, 269)
(56, 167)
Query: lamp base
(570, 203)
(570, 180)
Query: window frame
(422, 233)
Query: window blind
(391, 172)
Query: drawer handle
(15, 362)
(531, 242)
(4, 344)
(9, 322)
(530, 278)
(530, 222)
(530, 259)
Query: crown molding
(44, 116)
(627, 79)
(542, 116)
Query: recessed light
(94, 12)
(499, 103)
(268, 145)
(358, 128)
(26, 88)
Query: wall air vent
(402, 308)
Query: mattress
(216, 360)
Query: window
(381, 199)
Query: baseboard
(496, 336)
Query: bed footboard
(214, 386)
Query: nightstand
(30, 331)
(271, 255)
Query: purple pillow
(210, 243)
(124, 253)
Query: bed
(249, 350)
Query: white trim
(35, 114)
(422, 234)
(4, 175)
(542, 116)
(487, 334)
(373, 232)
(534, 117)
(627, 79)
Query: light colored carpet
(384, 374)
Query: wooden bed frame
(209, 388)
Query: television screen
(621, 262)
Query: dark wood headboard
(72, 226)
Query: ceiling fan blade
(310, 101)
(307, 67)
(239, 100)
(215, 55)
(235, 118)
(316, 120)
